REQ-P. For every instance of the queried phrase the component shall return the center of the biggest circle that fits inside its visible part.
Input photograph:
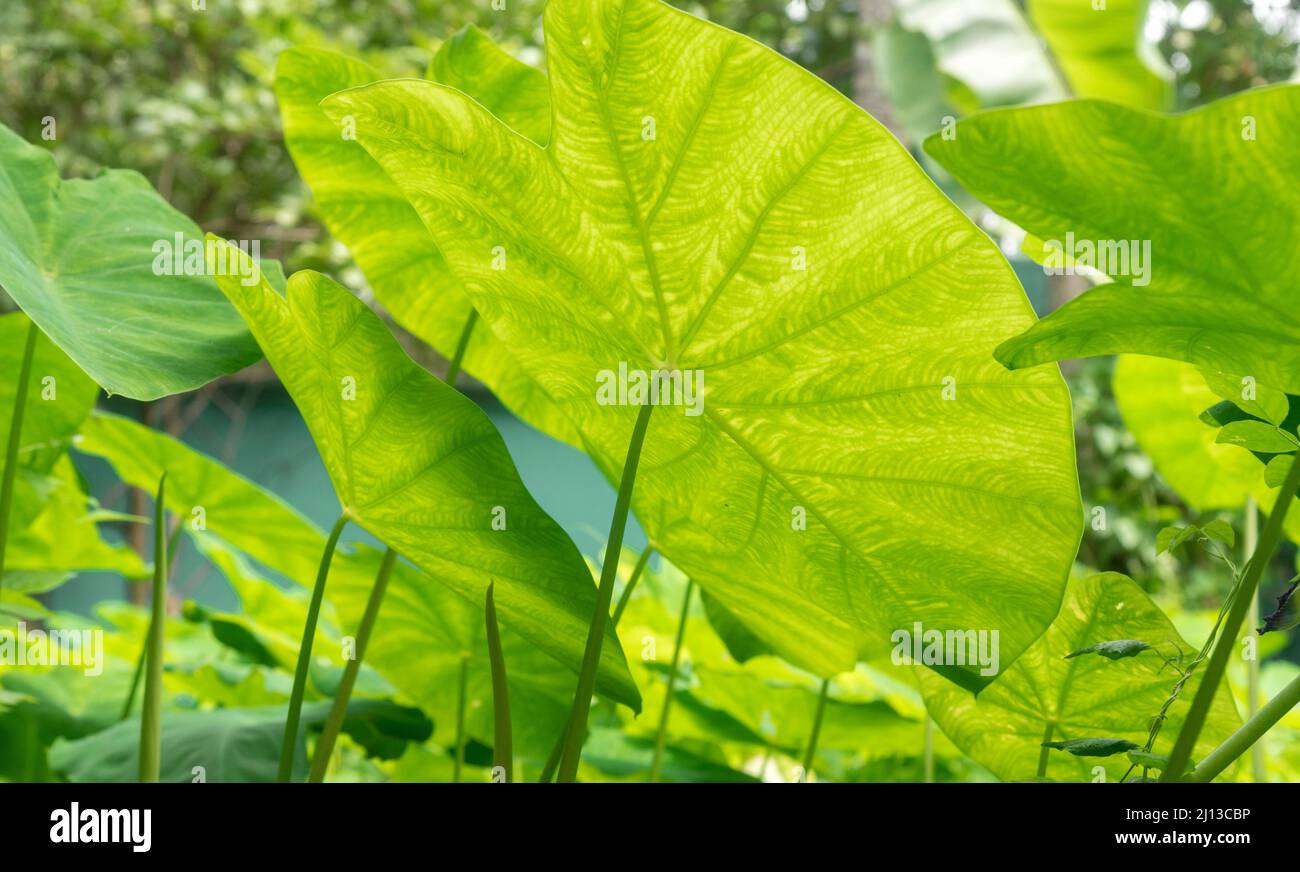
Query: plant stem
(15, 436)
(631, 585)
(138, 674)
(553, 759)
(304, 654)
(151, 716)
(338, 712)
(929, 750)
(502, 744)
(460, 719)
(577, 727)
(661, 735)
(811, 751)
(453, 368)
(1248, 734)
(173, 549)
(1044, 752)
(1250, 541)
(1200, 708)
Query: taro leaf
(421, 467)
(59, 397)
(610, 752)
(912, 81)
(1116, 649)
(367, 213)
(423, 628)
(1220, 293)
(740, 642)
(1086, 696)
(267, 628)
(231, 744)
(988, 46)
(380, 726)
(1101, 52)
(1093, 747)
(64, 537)
(79, 257)
(706, 206)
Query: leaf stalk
(304, 654)
(343, 694)
(604, 593)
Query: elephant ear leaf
(421, 467)
(113, 275)
(1090, 705)
(1206, 280)
(59, 397)
(707, 209)
(365, 211)
(1102, 52)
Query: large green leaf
(1220, 294)
(366, 212)
(65, 537)
(1102, 52)
(423, 628)
(59, 397)
(79, 257)
(772, 236)
(422, 467)
(1082, 697)
(988, 46)
(227, 745)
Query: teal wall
(276, 451)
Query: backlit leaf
(1100, 50)
(705, 206)
(366, 212)
(1003, 729)
(1219, 293)
(420, 466)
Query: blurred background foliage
(180, 90)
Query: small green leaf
(1265, 403)
(1114, 650)
(1148, 760)
(1170, 538)
(1258, 436)
(1093, 747)
(1220, 531)
(1275, 472)
(1222, 414)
